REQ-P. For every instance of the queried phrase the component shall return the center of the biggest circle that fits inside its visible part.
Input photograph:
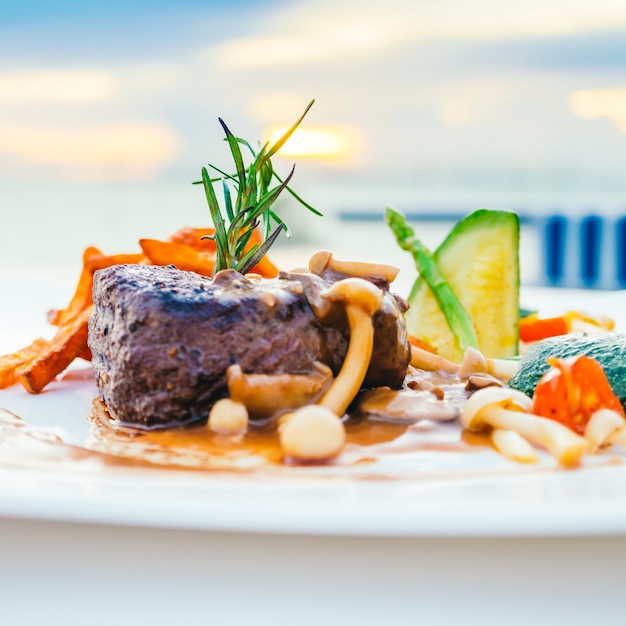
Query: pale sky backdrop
(108, 110)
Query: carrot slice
(98, 262)
(184, 257)
(82, 294)
(68, 343)
(10, 362)
(572, 391)
(419, 343)
(93, 260)
(533, 328)
(196, 238)
(193, 237)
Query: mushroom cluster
(311, 406)
(475, 369)
(506, 415)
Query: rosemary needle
(252, 204)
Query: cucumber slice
(480, 260)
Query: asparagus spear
(456, 316)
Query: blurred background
(108, 110)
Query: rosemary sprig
(252, 204)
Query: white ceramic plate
(450, 495)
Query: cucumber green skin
(479, 219)
(609, 350)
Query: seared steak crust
(162, 339)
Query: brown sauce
(376, 447)
(369, 437)
(202, 448)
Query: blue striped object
(587, 252)
(584, 252)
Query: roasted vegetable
(456, 320)
(479, 260)
(572, 390)
(609, 350)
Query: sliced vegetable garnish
(573, 390)
(535, 328)
(456, 316)
(479, 260)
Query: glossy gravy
(376, 447)
(367, 440)
(369, 437)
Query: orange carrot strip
(193, 237)
(533, 328)
(82, 294)
(419, 343)
(10, 362)
(68, 343)
(85, 354)
(182, 256)
(98, 262)
(93, 260)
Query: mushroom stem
(348, 382)
(560, 441)
(618, 438)
(512, 445)
(361, 300)
(602, 428)
(502, 369)
(431, 362)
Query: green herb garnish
(252, 205)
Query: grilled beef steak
(162, 339)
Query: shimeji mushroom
(474, 362)
(604, 427)
(267, 394)
(617, 437)
(312, 433)
(360, 299)
(507, 409)
(512, 445)
(502, 369)
(324, 260)
(228, 417)
(315, 432)
(431, 362)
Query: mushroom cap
(319, 261)
(474, 362)
(357, 292)
(312, 433)
(490, 396)
(228, 417)
(324, 260)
